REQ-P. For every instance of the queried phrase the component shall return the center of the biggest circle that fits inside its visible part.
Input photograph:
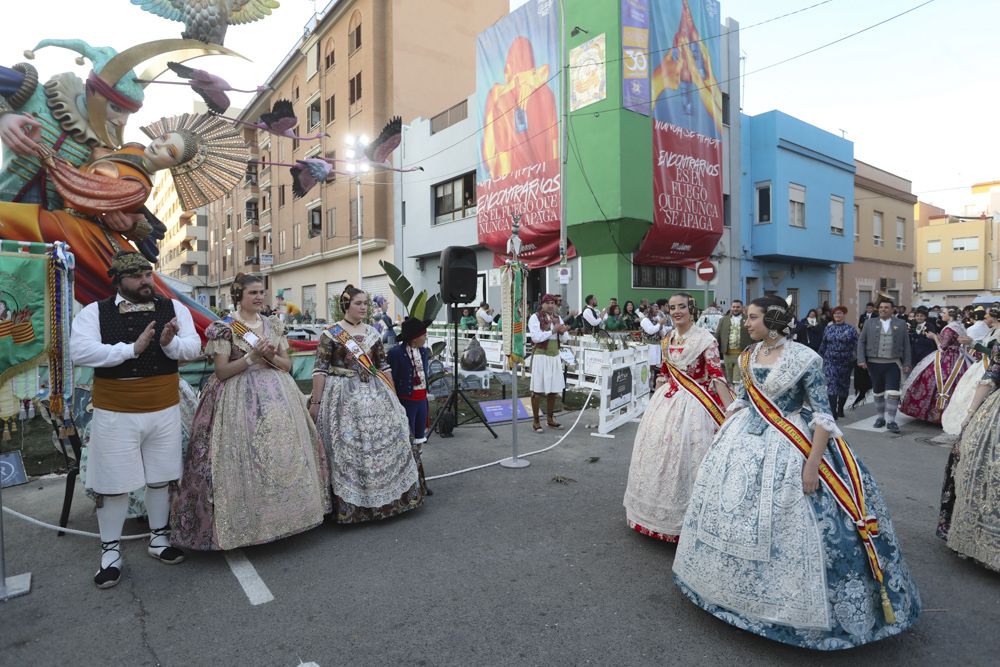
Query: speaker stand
(456, 393)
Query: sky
(918, 95)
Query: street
(499, 567)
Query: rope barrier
(83, 533)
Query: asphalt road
(499, 567)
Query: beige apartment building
(954, 265)
(184, 247)
(883, 243)
(358, 64)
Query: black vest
(119, 328)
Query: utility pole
(563, 157)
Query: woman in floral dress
(765, 545)
(255, 470)
(928, 389)
(975, 517)
(363, 426)
(676, 428)
(839, 352)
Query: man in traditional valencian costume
(547, 331)
(133, 341)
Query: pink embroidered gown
(920, 391)
(675, 432)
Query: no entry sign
(705, 270)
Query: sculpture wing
(281, 117)
(386, 142)
(248, 11)
(168, 9)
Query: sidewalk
(499, 567)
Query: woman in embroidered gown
(676, 428)
(765, 546)
(839, 352)
(255, 470)
(927, 390)
(364, 428)
(961, 397)
(975, 517)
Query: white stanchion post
(514, 461)
(17, 585)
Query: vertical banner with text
(635, 56)
(687, 134)
(517, 89)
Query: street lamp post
(357, 164)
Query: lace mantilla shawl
(61, 93)
(696, 341)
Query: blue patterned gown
(757, 553)
(839, 352)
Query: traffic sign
(705, 271)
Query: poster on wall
(588, 82)
(517, 93)
(635, 56)
(687, 134)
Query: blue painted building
(797, 209)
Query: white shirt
(886, 324)
(87, 349)
(484, 318)
(592, 318)
(652, 328)
(539, 336)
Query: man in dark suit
(733, 338)
(884, 350)
(867, 315)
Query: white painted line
(245, 573)
(308, 664)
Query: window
(315, 222)
(330, 59)
(331, 109)
(309, 299)
(295, 92)
(796, 205)
(644, 275)
(727, 212)
(281, 196)
(450, 116)
(965, 273)
(354, 34)
(312, 61)
(296, 235)
(725, 108)
(455, 199)
(354, 89)
(228, 259)
(836, 215)
(331, 222)
(763, 203)
(877, 228)
(295, 145)
(264, 206)
(239, 220)
(281, 241)
(857, 223)
(824, 297)
(900, 233)
(314, 113)
(332, 155)
(229, 219)
(933, 247)
(933, 275)
(966, 243)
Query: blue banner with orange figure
(687, 133)
(517, 89)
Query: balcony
(251, 261)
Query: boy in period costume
(133, 341)
(547, 331)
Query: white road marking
(308, 664)
(245, 573)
